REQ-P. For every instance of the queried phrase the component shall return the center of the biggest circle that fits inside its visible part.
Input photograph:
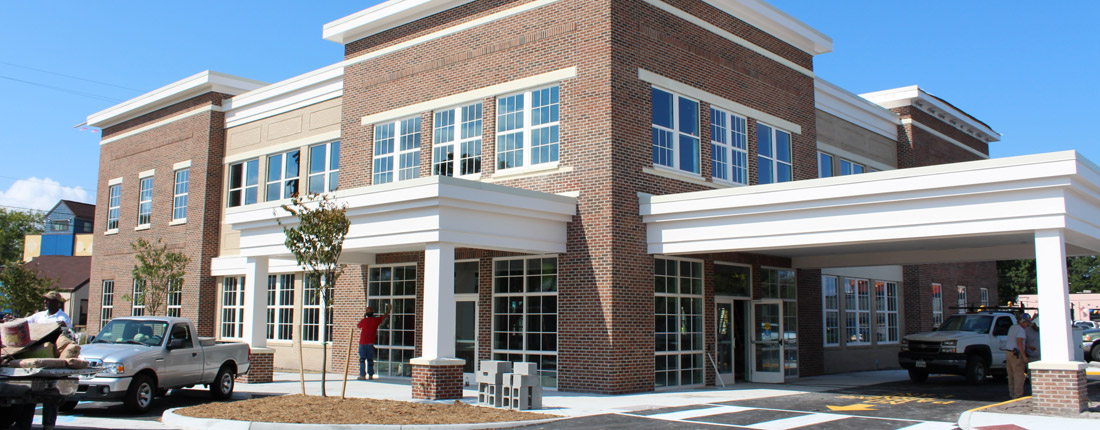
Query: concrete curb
(971, 420)
(171, 418)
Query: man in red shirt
(368, 336)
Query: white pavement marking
(931, 425)
(695, 413)
(794, 422)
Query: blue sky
(1029, 72)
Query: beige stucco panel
(285, 127)
(833, 131)
(32, 246)
(83, 245)
(243, 138)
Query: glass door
(466, 335)
(767, 342)
(724, 336)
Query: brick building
(632, 194)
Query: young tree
(316, 243)
(21, 289)
(14, 225)
(160, 270)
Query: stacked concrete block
(523, 389)
(490, 382)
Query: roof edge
(916, 96)
(382, 17)
(191, 86)
(763, 15)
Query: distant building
(66, 231)
(71, 275)
(1080, 304)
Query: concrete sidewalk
(980, 418)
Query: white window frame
(174, 306)
(774, 161)
(180, 190)
(330, 175)
(314, 302)
(280, 307)
(107, 302)
(145, 201)
(138, 290)
(984, 296)
(527, 130)
(232, 308)
(821, 156)
(402, 320)
(886, 306)
(548, 377)
(464, 132)
(729, 137)
(961, 298)
(853, 167)
(283, 180)
(114, 203)
(937, 305)
(856, 313)
(244, 187)
(395, 141)
(676, 133)
(826, 310)
(696, 326)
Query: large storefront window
(314, 314)
(678, 322)
(831, 307)
(886, 312)
(232, 308)
(870, 310)
(280, 307)
(394, 286)
(525, 313)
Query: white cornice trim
(382, 17)
(717, 101)
(944, 137)
(470, 96)
(729, 36)
(307, 89)
(913, 95)
(200, 83)
(855, 109)
(327, 136)
(787, 28)
(162, 122)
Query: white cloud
(41, 194)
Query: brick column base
(261, 363)
(437, 379)
(1059, 388)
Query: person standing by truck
(53, 312)
(1016, 347)
(368, 336)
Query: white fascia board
(382, 17)
(787, 28)
(913, 94)
(200, 83)
(303, 90)
(855, 109)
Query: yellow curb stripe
(999, 404)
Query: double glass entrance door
(756, 340)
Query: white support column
(439, 301)
(255, 301)
(1050, 265)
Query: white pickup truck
(147, 356)
(968, 344)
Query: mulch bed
(333, 410)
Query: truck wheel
(66, 406)
(140, 394)
(1095, 354)
(976, 370)
(222, 387)
(918, 375)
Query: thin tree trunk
(301, 365)
(347, 365)
(324, 366)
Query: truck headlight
(905, 344)
(113, 368)
(1088, 337)
(948, 345)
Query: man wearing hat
(1016, 350)
(53, 312)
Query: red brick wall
(918, 289)
(436, 382)
(199, 138)
(261, 367)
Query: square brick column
(437, 379)
(1059, 388)
(261, 365)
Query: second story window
(324, 167)
(675, 131)
(728, 146)
(179, 197)
(456, 144)
(528, 130)
(243, 183)
(773, 150)
(145, 201)
(850, 168)
(397, 151)
(114, 200)
(282, 175)
(824, 165)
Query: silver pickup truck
(145, 357)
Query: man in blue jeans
(368, 336)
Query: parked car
(147, 356)
(968, 344)
(1084, 325)
(1090, 343)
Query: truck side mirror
(175, 344)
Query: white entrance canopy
(1043, 206)
(434, 214)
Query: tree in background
(14, 225)
(21, 289)
(1015, 277)
(316, 243)
(159, 270)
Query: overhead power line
(64, 90)
(71, 77)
